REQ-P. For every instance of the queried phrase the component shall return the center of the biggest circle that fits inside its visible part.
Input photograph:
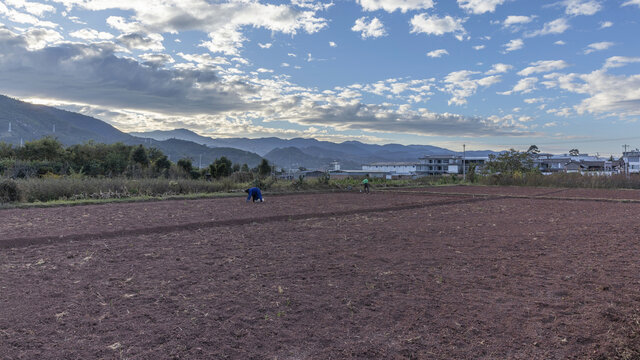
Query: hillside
(293, 158)
(312, 153)
(31, 122)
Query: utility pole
(9, 126)
(626, 166)
(464, 157)
(200, 166)
(54, 128)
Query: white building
(396, 168)
(632, 161)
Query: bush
(9, 191)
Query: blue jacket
(255, 193)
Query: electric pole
(624, 161)
(464, 157)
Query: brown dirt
(387, 275)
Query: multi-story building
(631, 161)
(439, 165)
(398, 168)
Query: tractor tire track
(43, 240)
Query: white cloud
(437, 53)
(461, 86)
(612, 95)
(373, 28)
(533, 100)
(582, 7)
(632, 2)
(598, 46)
(157, 60)
(499, 69)
(479, 47)
(204, 59)
(263, 70)
(619, 61)
(564, 112)
(525, 86)
(333, 44)
(91, 34)
(33, 8)
(265, 46)
(557, 26)
(517, 20)
(37, 38)
(543, 66)
(227, 41)
(515, 44)
(434, 25)
(606, 24)
(393, 5)
(292, 55)
(560, 42)
(284, 64)
(222, 21)
(479, 6)
(140, 41)
(24, 18)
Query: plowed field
(465, 273)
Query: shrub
(9, 191)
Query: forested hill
(31, 122)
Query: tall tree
(264, 168)
(533, 149)
(139, 156)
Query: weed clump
(9, 191)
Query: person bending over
(254, 194)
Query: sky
(490, 74)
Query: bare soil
(329, 276)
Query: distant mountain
(312, 153)
(31, 122)
(293, 158)
(177, 149)
(180, 134)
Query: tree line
(48, 156)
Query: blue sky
(492, 74)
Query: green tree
(264, 169)
(45, 149)
(7, 151)
(221, 167)
(186, 165)
(139, 156)
(533, 149)
(244, 168)
(162, 163)
(154, 154)
(509, 162)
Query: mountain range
(29, 122)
